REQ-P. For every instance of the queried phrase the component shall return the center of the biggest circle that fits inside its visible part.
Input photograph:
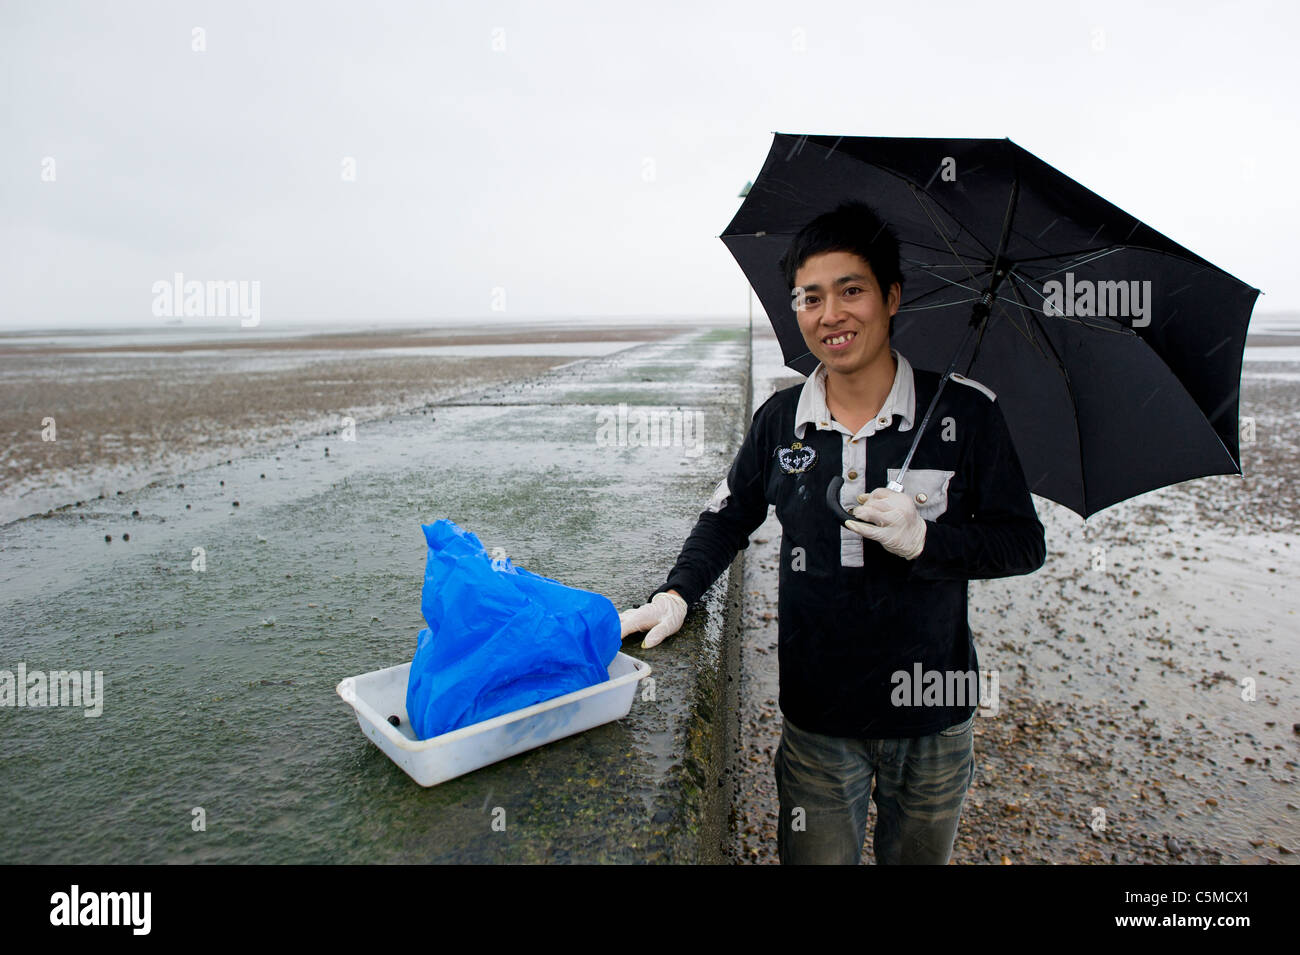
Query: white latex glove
(662, 616)
(890, 518)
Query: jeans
(823, 784)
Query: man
(877, 665)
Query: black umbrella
(1109, 388)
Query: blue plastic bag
(499, 637)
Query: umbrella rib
(917, 196)
(927, 269)
(924, 246)
(926, 308)
(1027, 332)
(1190, 259)
(1003, 300)
(942, 279)
(790, 363)
(1078, 262)
(911, 306)
(943, 235)
(1060, 255)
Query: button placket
(855, 475)
(854, 472)
(847, 558)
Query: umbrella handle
(842, 513)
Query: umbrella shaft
(976, 321)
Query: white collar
(901, 401)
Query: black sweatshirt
(847, 633)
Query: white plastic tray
(378, 695)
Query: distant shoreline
(358, 340)
(1271, 341)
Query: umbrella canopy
(1115, 352)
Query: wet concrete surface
(247, 590)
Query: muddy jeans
(824, 786)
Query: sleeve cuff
(681, 591)
(937, 544)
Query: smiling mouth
(843, 338)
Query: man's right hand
(662, 616)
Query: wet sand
(128, 413)
(1122, 734)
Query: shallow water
(219, 683)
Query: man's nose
(836, 310)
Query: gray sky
(524, 168)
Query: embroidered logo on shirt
(796, 459)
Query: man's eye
(852, 288)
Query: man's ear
(895, 297)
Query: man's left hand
(890, 518)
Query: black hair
(852, 226)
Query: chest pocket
(928, 489)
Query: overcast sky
(582, 156)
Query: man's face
(844, 319)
